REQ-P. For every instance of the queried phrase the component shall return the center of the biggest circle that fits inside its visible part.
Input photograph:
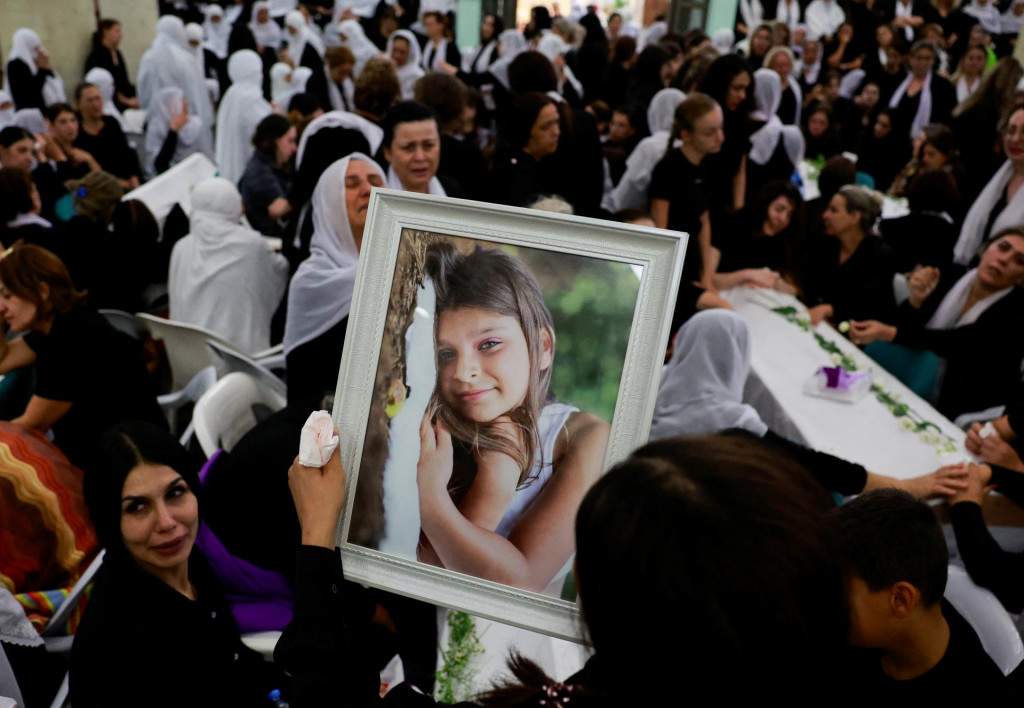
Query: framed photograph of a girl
(498, 361)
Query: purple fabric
(261, 600)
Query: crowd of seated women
(306, 112)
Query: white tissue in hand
(318, 440)
(986, 430)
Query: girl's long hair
(492, 280)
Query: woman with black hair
(106, 54)
(157, 598)
(268, 176)
(729, 82)
(821, 133)
(651, 73)
(479, 59)
(884, 149)
(763, 251)
(531, 133)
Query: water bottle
(275, 699)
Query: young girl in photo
(503, 466)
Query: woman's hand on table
(940, 483)
(319, 496)
(760, 278)
(819, 313)
(977, 487)
(868, 331)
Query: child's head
(895, 561)
(494, 342)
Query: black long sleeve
(833, 473)
(319, 648)
(988, 564)
(166, 154)
(26, 87)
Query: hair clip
(6, 253)
(556, 694)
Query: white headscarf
(511, 44)
(947, 315)
(752, 14)
(353, 37)
(551, 46)
(924, 105)
(723, 39)
(987, 15)
(341, 119)
(23, 46)
(789, 14)
(303, 36)
(433, 187)
(409, 74)
(483, 55)
(701, 387)
(823, 18)
(6, 114)
(222, 275)
(266, 34)
(300, 77)
(217, 33)
(281, 85)
(631, 191)
(168, 63)
(810, 73)
(194, 33)
(768, 96)
(1010, 23)
(334, 92)
(973, 232)
(652, 35)
(32, 120)
(104, 81)
(241, 110)
(321, 289)
(167, 104)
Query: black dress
(859, 289)
(684, 186)
(100, 57)
(26, 87)
(111, 149)
(143, 643)
(982, 359)
(100, 371)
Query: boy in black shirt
(913, 644)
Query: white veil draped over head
(321, 289)
(701, 387)
(241, 110)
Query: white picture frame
(654, 255)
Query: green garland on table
(910, 419)
(455, 678)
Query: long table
(784, 356)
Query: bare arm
(704, 241)
(542, 540)
(659, 212)
(41, 413)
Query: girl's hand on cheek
(436, 458)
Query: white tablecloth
(785, 356)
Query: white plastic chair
(225, 413)
(986, 615)
(125, 322)
(229, 361)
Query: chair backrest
(988, 617)
(126, 322)
(226, 412)
(174, 186)
(186, 347)
(230, 360)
